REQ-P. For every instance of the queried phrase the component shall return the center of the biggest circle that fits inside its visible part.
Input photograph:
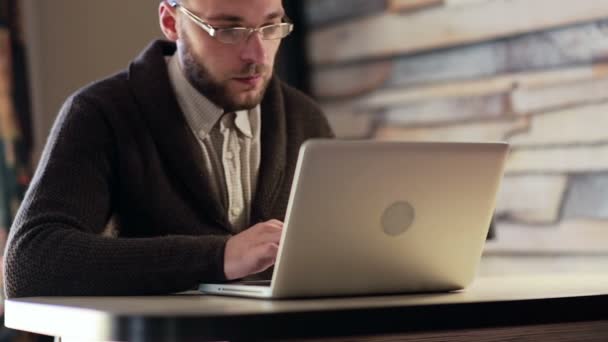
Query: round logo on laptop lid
(398, 218)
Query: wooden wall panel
(567, 159)
(391, 34)
(349, 123)
(491, 130)
(324, 12)
(412, 5)
(448, 110)
(505, 83)
(351, 81)
(553, 50)
(537, 100)
(536, 199)
(587, 197)
(569, 237)
(533, 73)
(573, 126)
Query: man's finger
(269, 237)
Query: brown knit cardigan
(121, 148)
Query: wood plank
(455, 3)
(392, 97)
(531, 199)
(587, 197)
(405, 6)
(540, 51)
(444, 27)
(576, 125)
(449, 110)
(572, 236)
(491, 130)
(579, 159)
(321, 12)
(524, 262)
(349, 123)
(554, 77)
(547, 51)
(351, 81)
(324, 12)
(527, 101)
(438, 66)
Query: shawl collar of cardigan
(156, 98)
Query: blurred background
(533, 73)
(530, 72)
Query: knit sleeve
(56, 246)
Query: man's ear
(168, 21)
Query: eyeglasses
(236, 35)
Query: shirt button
(229, 155)
(234, 212)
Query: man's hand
(253, 250)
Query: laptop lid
(368, 217)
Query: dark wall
(292, 65)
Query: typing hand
(253, 250)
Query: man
(173, 172)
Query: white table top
(101, 317)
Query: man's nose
(254, 50)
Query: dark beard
(202, 80)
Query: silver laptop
(368, 217)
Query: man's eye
(271, 29)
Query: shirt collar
(243, 124)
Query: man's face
(234, 77)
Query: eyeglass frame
(212, 31)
